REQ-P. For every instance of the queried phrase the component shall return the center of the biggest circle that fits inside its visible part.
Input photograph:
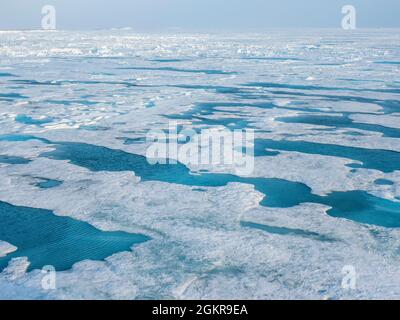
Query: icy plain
(75, 108)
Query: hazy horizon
(197, 16)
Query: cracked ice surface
(104, 88)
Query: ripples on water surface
(76, 115)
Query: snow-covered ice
(104, 90)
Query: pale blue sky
(192, 15)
